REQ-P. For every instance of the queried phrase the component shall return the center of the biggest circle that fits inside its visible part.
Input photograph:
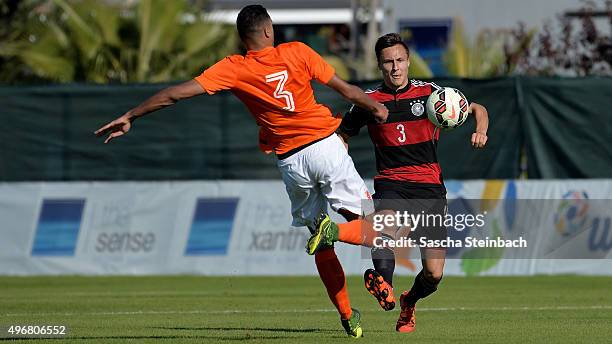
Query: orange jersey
(274, 84)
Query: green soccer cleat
(325, 234)
(353, 325)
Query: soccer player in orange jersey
(274, 84)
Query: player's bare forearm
(156, 102)
(481, 116)
(479, 137)
(359, 98)
(356, 96)
(159, 100)
(166, 97)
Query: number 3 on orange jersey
(280, 92)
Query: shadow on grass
(266, 329)
(237, 336)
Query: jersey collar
(389, 90)
(261, 52)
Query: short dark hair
(250, 19)
(387, 41)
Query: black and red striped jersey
(406, 143)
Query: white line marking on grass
(120, 294)
(326, 310)
(115, 294)
(228, 311)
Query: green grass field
(193, 309)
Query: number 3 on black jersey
(402, 131)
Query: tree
(492, 53)
(100, 42)
(567, 49)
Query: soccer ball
(572, 213)
(447, 108)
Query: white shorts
(319, 174)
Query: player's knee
(433, 277)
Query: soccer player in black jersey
(409, 178)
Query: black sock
(384, 262)
(420, 289)
(311, 229)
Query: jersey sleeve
(434, 86)
(352, 121)
(220, 76)
(316, 66)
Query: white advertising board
(242, 228)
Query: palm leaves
(490, 54)
(92, 41)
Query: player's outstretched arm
(356, 96)
(479, 137)
(161, 99)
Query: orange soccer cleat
(380, 289)
(407, 319)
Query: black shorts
(424, 205)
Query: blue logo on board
(58, 227)
(212, 226)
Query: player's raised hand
(479, 140)
(381, 113)
(116, 128)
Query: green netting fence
(539, 128)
